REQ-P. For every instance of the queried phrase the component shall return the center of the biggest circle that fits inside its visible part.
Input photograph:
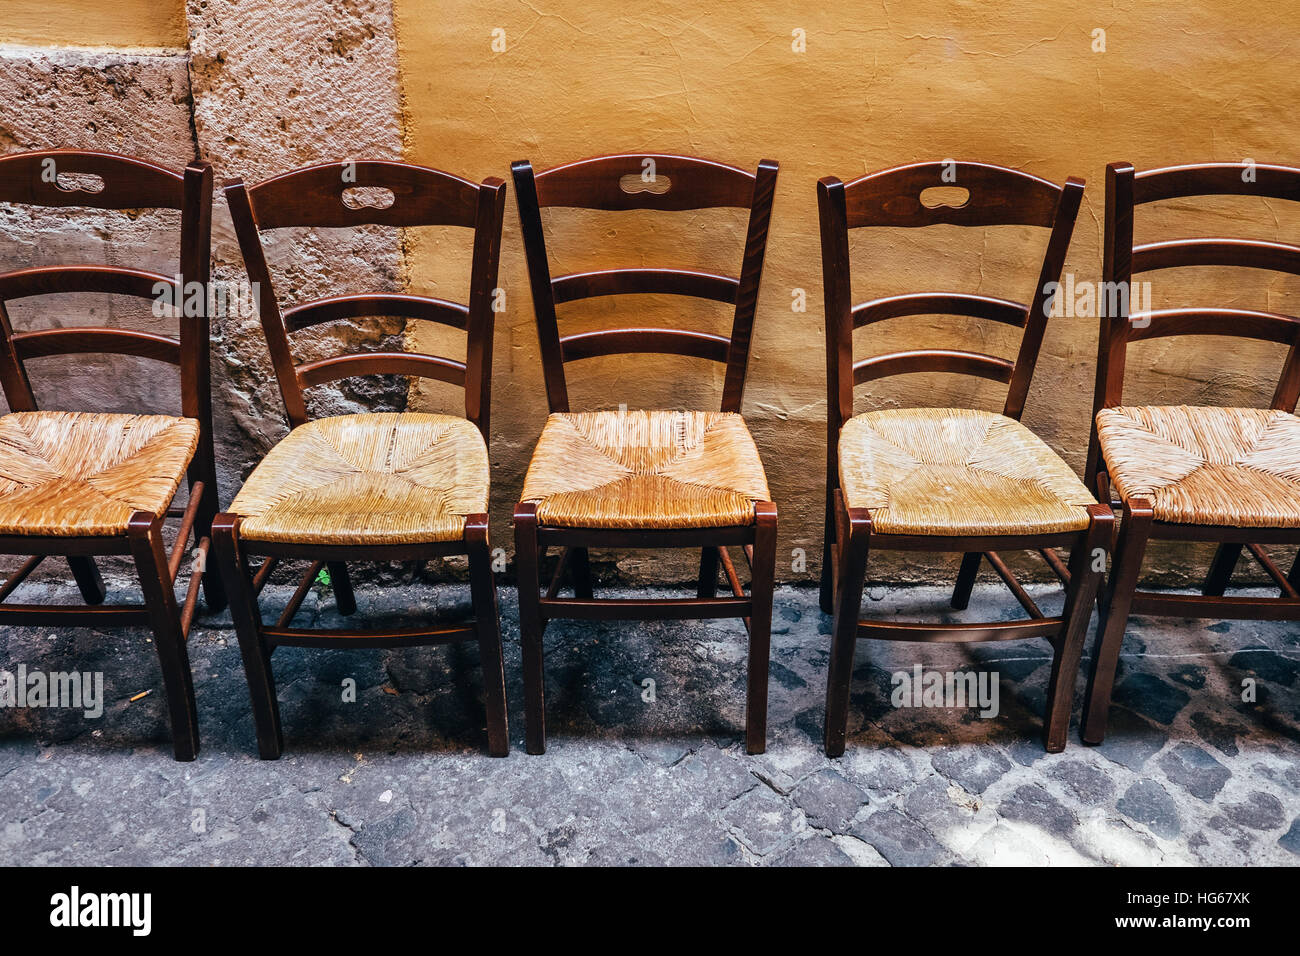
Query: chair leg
(530, 627)
(487, 623)
(1221, 568)
(580, 568)
(214, 590)
(850, 580)
(144, 532)
(1134, 530)
(1068, 645)
(247, 616)
(708, 573)
(970, 567)
(89, 582)
(762, 584)
(1293, 577)
(344, 598)
(827, 596)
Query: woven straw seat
(956, 471)
(1234, 467)
(645, 470)
(369, 479)
(72, 474)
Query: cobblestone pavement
(1190, 773)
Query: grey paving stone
(1259, 811)
(1150, 696)
(1149, 803)
(1130, 740)
(974, 768)
(1195, 771)
(762, 820)
(1290, 841)
(1088, 784)
(1032, 804)
(899, 839)
(818, 850)
(829, 801)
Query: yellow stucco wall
(111, 23)
(1019, 83)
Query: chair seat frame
(312, 197)
(694, 184)
(127, 183)
(997, 196)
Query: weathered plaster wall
(1017, 83)
(115, 23)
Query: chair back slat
(933, 360)
(320, 197)
(645, 181)
(939, 303)
(996, 196)
(66, 177)
(590, 285)
(1242, 253)
(304, 316)
(702, 345)
(90, 340)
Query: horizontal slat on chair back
(127, 183)
(645, 181)
(316, 196)
(997, 196)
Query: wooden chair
(944, 479)
(87, 484)
(366, 487)
(645, 479)
(1230, 475)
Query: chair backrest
(50, 178)
(314, 197)
(1125, 190)
(892, 197)
(602, 183)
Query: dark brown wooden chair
(945, 479)
(1230, 475)
(87, 484)
(645, 479)
(369, 487)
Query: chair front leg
(853, 540)
(761, 587)
(144, 533)
(530, 626)
(487, 623)
(1087, 569)
(1134, 530)
(247, 615)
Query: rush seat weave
(645, 470)
(72, 474)
(1236, 467)
(956, 471)
(376, 478)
